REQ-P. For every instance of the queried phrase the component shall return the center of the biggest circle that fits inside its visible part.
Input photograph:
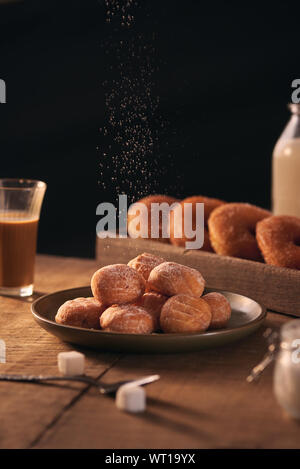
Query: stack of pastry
(234, 229)
(147, 295)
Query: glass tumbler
(20, 206)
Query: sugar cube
(71, 363)
(131, 398)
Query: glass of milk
(286, 168)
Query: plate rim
(262, 315)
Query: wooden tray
(276, 288)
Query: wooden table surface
(201, 401)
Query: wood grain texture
(28, 409)
(201, 401)
(276, 288)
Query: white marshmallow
(71, 363)
(131, 398)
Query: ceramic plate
(247, 316)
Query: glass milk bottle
(287, 369)
(286, 168)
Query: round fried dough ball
(185, 313)
(128, 319)
(220, 309)
(80, 312)
(118, 284)
(171, 278)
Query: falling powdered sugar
(130, 151)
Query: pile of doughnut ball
(147, 295)
(234, 229)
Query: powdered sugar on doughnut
(171, 278)
(80, 312)
(184, 313)
(153, 303)
(279, 240)
(144, 263)
(117, 283)
(220, 309)
(129, 319)
(232, 230)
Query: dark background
(224, 79)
